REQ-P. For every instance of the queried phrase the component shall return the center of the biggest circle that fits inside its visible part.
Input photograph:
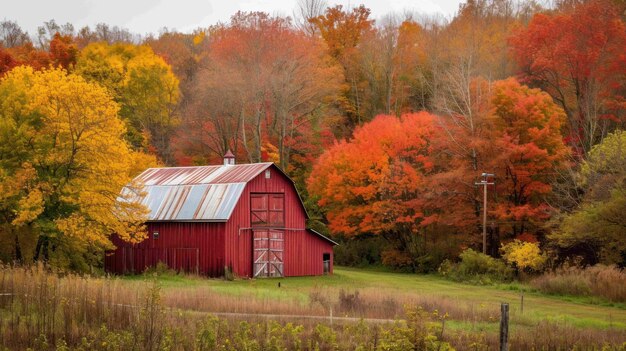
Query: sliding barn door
(267, 217)
(268, 253)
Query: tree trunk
(18, 251)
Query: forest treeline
(385, 125)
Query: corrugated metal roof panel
(202, 174)
(206, 193)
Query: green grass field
(469, 305)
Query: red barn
(247, 218)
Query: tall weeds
(608, 282)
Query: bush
(524, 255)
(477, 268)
(161, 269)
(398, 260)
(228, 273)
(608, 282)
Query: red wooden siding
(303, 250)
(304, 253)
(209, 247)
(182, 246)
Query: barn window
(267, 210)
(268, 174)
(155, 235)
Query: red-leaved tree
(578, 58)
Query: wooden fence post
(504, 327)
(331, 316)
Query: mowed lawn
(574, 311)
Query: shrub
(608, 282)
(317, 296)
(524, 255)
(350, 302)
(160, 269)
(477, 268)
(228, 273)
(398, 260)
(420, 331)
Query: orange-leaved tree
(514, 132)
(528, 152)
(377, 183)
(63, 51)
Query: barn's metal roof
(203, 193)
(202, 174)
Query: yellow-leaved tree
(63, 163)
(144, 86)
(524, 255)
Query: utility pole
(484, 184)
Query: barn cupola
(229, 158)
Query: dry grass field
(371, 309)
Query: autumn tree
(466, 135)
(577, 57)
(186, 54)
(28, 54)
(595, 229)
(410, 90)
(343, 31)
(466, 55)
(528, 150)
(47, 32)
(7, 61)
(106, 33)
(264, 84)
(63, 162)
(63, 51)
(377, 183)
(144, 86)
(509, 130)
(17, 49)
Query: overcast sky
(149, 16)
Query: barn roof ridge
(216, 166)
(211, 174)
(190, 184)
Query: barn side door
(268, 253)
